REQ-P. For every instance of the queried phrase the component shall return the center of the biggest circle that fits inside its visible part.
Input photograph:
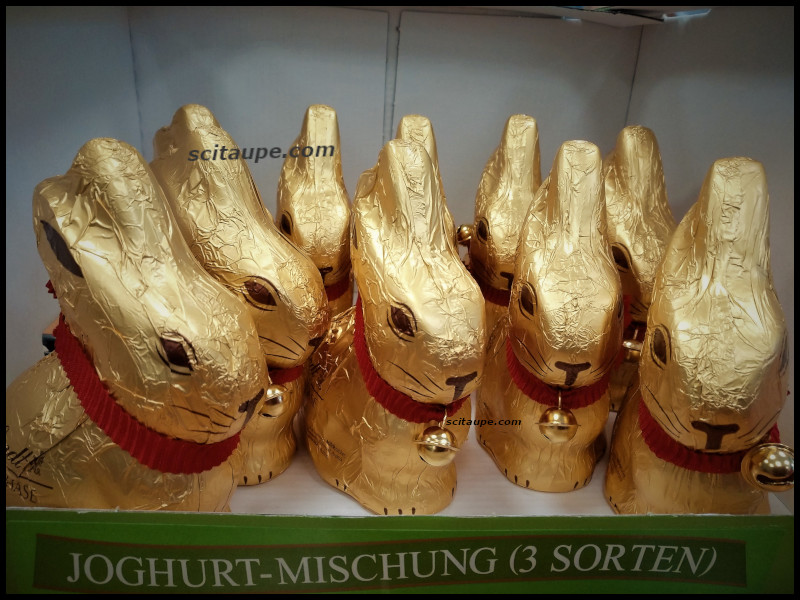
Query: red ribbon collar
(152, 449)
(284, 376)
(337, 290)
(397, 403)
(540, 392)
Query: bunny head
(713, 367)
(220, 213)
(507, 187)
(640, 222)
(175, 349)
(313, 205)
(419, 129)
(566, 302)
(423, 313)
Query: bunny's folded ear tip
(634, 136)
(578, 154)
(738, 166)
(321, 111)
(194, 116)
(96, 152)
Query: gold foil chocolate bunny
(640, 224)
(157, 367)
(548, 363)
(313, 205)
(229, 230)
(699, 435)
(390, 384)
(507, 187)
(419, 129)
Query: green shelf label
(139, 552)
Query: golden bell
(274, 405)
(558, 425)
(464, 234)
(633, 349)
(437, 446)
(769, 467)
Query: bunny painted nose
(571, 370)
(316, 341)
(714, 433)
(459, 383)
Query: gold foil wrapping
(713, 370)
(419, 129)
(424, 333)
(313, 205)
(220, 213)
(505, 193)
(564, 328)
(640, 224)
(175, 350)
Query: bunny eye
(402, 321)
(60, 249)
(527, 300)
(258, 293)
(177, 353)
(286, 224)
(482, 230)
(621, 257)
(660, 346)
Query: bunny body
(221, 215)
(640, 224)
(505, 193)
(561, 335)
(415, 338)
(712, 377)
(167, 350)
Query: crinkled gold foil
(564, 325)
(713, 368)
(425, 336)
(129, 289)
(505, 193)
(419, 129)
(640, 224)
(221, 215)
(313, 204)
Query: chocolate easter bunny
(697, 434)
(640, 224)
(313, 205)
(220, 213)
(506, 190)
(157, 367)
(548, 364)
(390, 385)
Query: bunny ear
(397, 207)
(723, 241)
(320, 132)
(108, 186)
(573, 203)
(419, 129)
